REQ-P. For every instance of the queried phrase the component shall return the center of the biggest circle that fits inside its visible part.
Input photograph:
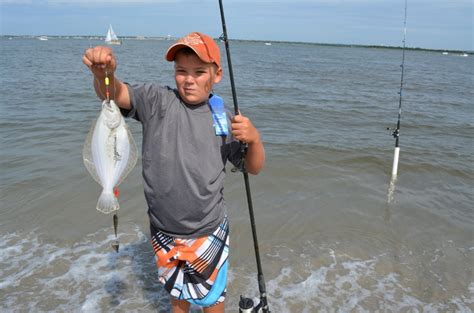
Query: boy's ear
(218, 76)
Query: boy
(184, 166)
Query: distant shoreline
(244, 40)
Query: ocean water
(330, 241)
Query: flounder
(109, 154)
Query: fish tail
(107, 203)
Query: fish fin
(132, 158)
(107, 203)
(87, 154)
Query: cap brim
(171, 53)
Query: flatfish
(109, 154)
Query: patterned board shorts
(194, 270)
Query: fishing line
(245, 304)
(107, 82)
(396, 131)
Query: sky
(431, 24)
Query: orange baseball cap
(204, 46)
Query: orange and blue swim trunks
(194, 269)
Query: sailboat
(111, 38)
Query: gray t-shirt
(183, 161)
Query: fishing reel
(243, 150)
(395, 132)
(246, 305)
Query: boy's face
(195, 78)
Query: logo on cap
(192, 39)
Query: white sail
(111, 37)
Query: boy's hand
(243, 130)
(99, 60)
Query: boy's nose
(189, 79)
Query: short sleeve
(145, 99)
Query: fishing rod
(396, 132)
(246, 305)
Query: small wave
(89, 277)
(337, 281)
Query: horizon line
(168, 37)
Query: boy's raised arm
(101, 61)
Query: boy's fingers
(86, 61)
(98, 55)
(99, 59)
(238, 126)
(240, 119)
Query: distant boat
(464, 55)
(42, 38)
(111, 38)
(268, 44)
(445, 53)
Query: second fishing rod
(246, 305)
